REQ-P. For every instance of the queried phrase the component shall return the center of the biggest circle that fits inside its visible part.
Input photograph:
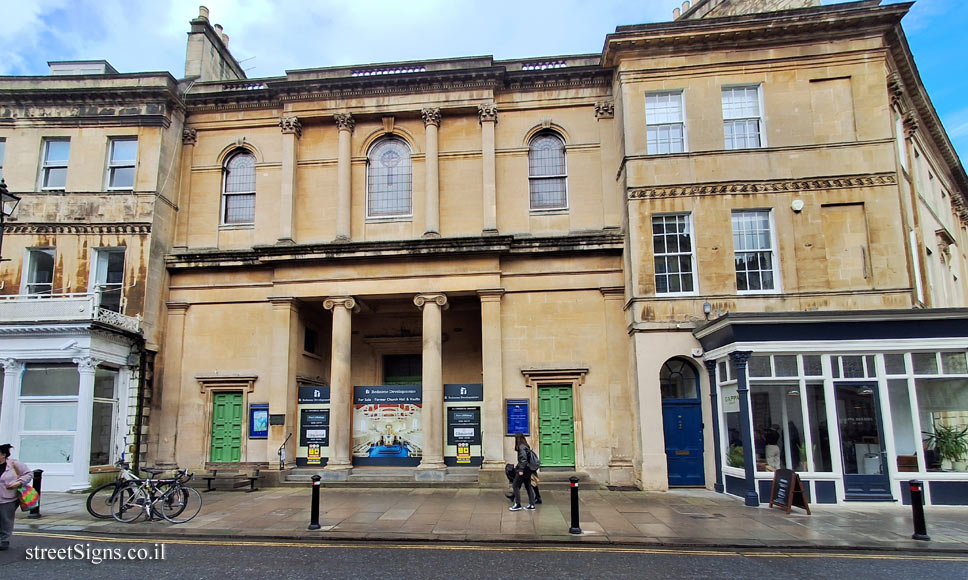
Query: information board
(313, 395)
(516, 411)
(314, 427)
(787, 491)
(463, 425)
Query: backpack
(534, 464)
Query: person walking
(522, 474)
(510, 472)
(13, 474)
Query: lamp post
(10, 202)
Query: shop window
(819, 452)
(48, 413)
(941, 403)
(953, 363)
(733, 431)
(103, 419)
(906, 441)
(759, 366)
(853, 367)
(778, 427)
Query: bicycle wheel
(172, 503)
(99, 500)
(129, 503)
(190, 504)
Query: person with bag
(522, 475)
(14, 475)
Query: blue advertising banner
(388, 395)
(469, 392)
(313, 394)
(516, 412)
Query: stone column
(291, 131)
(282, 378)
(622, 425)
(492, 363)
(488, 116)
(341, 388)
(166, 435)
(432, 461)
(189, 138)
(740, 358)
(714, 405)
(344, 193)
(13, 371)
(431, 118)
(85, 416)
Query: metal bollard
(35, 483)
(574, 506)
(314, 511)
(917, 508)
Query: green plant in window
(949, 443)
(734, 457)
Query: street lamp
(10, 202)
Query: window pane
(811, 365)
(853, 367)
(734, 434)
(908, 444)
(57, 152)
(759, 366)
(101, 430)
(240, 174)
(50, 381)
(239, 208)
(123, 151)
(55, 177)
(953, 363)
(46, 448)
(678, 380)
(785, 366)
(925, 363)
(894, 363)
(817, 412)
(122, 177)
(389, 179)
(941, 403)
(50, 417)
(104, 383)
(723, 371)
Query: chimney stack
(203, 12)
(685, 6)
(675, 14)
(225, 40)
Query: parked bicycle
(169, 498)
(99, 501)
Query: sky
(269, 37)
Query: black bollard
(574, 506)
(35, 483)
(917, 508)
(314, 512)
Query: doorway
(226, 427)
(862, 442)
(682, 423)
(556, 426)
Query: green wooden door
(227, 427)
(556, 426)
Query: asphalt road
(74, 556)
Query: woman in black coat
(522, 474)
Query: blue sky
(271, 36)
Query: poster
(258, 421)
(315, 456)
(463, 453)
(463, 425)
(388, 425)
(516, 413)
(314, 427)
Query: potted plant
(734, 457)
(950, 444)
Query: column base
(621, 473)
(432, 472)
(752, 499)
(492, 473)
(286, 242)
(341, 238)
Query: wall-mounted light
(707, 308)
(865, 391)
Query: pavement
(678, 518)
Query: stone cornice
(88, 229)
(758, 187)
(599, 242)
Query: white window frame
(30, 268)
(46, 166)
(759, 117)
(681, 123)
(113, 425)
(113, 165)
(99, 269)
(369, 159)
(223, 206)
(564, 176)
(773, 250)
(27, 401)
(691, 231)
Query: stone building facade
(726, 245)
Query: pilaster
(291, 131)
(345, 125)
(165, 438)
(282, 377)
(431, 118)
(488, 118)
(492, 359)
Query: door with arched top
(682, 422)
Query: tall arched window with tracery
(547, 172)
(238, 189)
(389, 179)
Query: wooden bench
(238, 475)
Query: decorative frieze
(605, 110)
(291, 125)
(431, 116)
(83, 229)
(779, 186)
(344, 122)
(487, 112)
(189, 136)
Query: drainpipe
(139, 417)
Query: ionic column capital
(347, 302)
(439, 299)
(344, 122)
(487, 112)
(431, 116)
(87, 364)
(291, 125)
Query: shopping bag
(29, 498)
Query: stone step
(454, 477)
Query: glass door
(862, 442)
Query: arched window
(547, 172)
(238, 190)
(388, 179)
(678, 380)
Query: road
(81, 556)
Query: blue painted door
(682, 425)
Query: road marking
(597, 549)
